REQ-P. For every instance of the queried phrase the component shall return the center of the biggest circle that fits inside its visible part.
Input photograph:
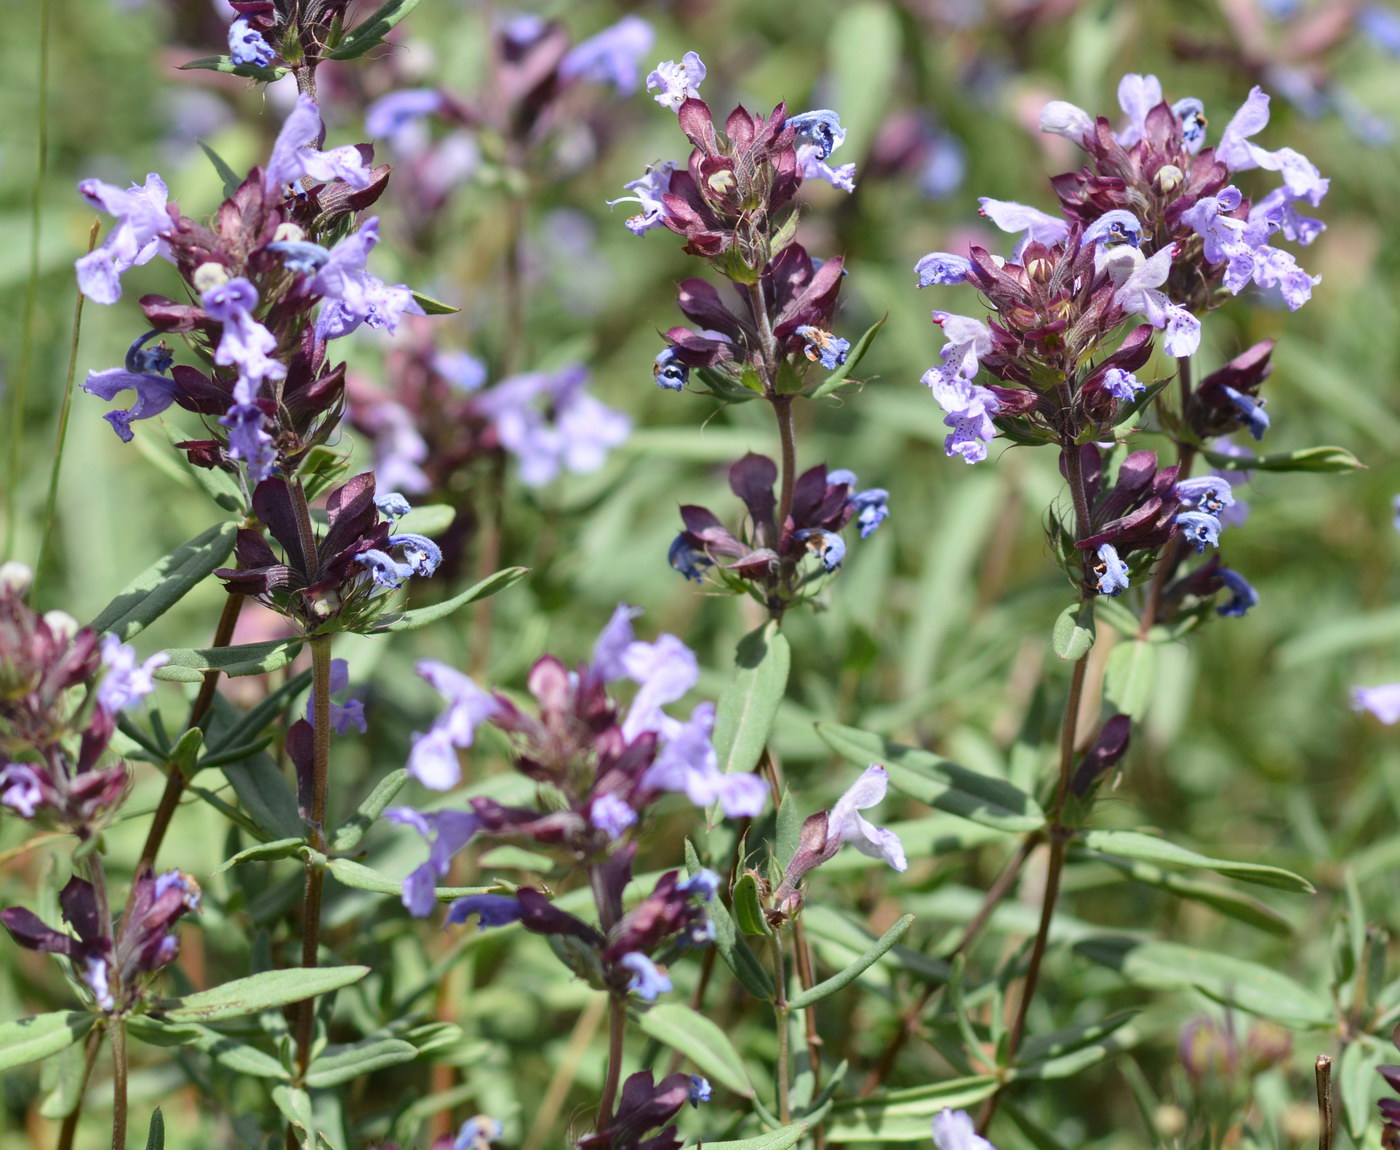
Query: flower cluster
(766, 560)
(51, 746)
(114, 970)
(645, 1105)
(258, 271)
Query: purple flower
(1208, 493)
(819, 133)
(392, 505)
(664, 671)
(611, 815)
(462, 371)
(1137, 293)
(1381, 26)
(1061, 118)
(1201, 530)
(490, 909)
(125, 681)
(846, 825)
(953, 1130)
(446, 832)
(154, 393)
(141, 222)
(1242, 595)
(669, 373)
(654, 183)
(1234, 149)
(1036, 226)
(1137, 95)
(244, 343)
(822, 345)
(648, 980)
(386, 571)
(1111, 571)
(687, 765)
(353, 295)
(1383, 702)
(1115, 228)
(393, 117)
(343, 715)
(247, 46)
(829, 547)
(687, 560)
(675, 83)
(294, 155)
(700, 1091)
(433, 759)
(870, 509)
(21, 788)
(612, 56)
(968, 411)
(248, 441)
(942, 268)
(1122, 385)
(477, 1133)
(420, 553)
(579, 437)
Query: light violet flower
(433, 758)
(354, 296)
(395, 118)
(247, 46)
(1137, 293)
(1110, 571)
(1061, 118)
(612, 56)
(1300, 176)
(650, 187)
(1036, 226)
(446, 832)
(1383, 702)
(244, 343)
(1122, 385)
(648, 980)
(846, 825)
(687, 765)
(295, 157)
(345, 715)
(141, 222)
(1137, 95)
(954, 1130)
(675, 83)
(942, 268)
(154, 393)
(126, 681)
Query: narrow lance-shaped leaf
(337, 1064)
(165, 582)
(750, 701)
(751, 973)
(372, 31)
(701, 1041)
(777, 1140)
(853, 357)
(844, 978)
(258, 992)
(422, 616)
(349, 833)
(1149, 848)
(905, 1115)
(38, 1036)
(188, 664)
(1305, 459)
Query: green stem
(51, 500)
(617, 1028)
(118, 1029)
(70, 1120)
(175, 780)
(780, 1017)
(20, 383)
(809, 1018)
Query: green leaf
(1219, 898)
(1074, 631)
(430, 519)
(750, 700)
(699, 1040)
(1150, 848)
(259, 992)
(422, 616)
(1251, 986)
(231, 179)
(777, 1140)
(905, 1115)
(225, 1050)
(748, 912)
(262, 852)
(226, 64)
(360, 877)
(934, 780)
(188, 664)
(348, 835)
(1358, 1083)
(371, 32)
(1304, 459)
(155, 1137)
(158, 588)
(1068, 1051)
(295, 1105)
(853, 357)
(432, 306)
(64, 1076)
(752, 975)
(844, 978)
(337, 1064)
(1129, 676)
(38, 1036)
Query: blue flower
(1115, 228)
(247, 46)
(1111, 571)
(354, 295)
(244, 343)
(490, 909)
(1242, 595)
(669, 372)
(822, 345)
(343, 715)
(612, 815)
(386, 571)
(870, 509)
(248, 441)
(300, 256)
(821, 129)
(1381, 26)
(1201, 530)
(390, 117)
(433, 758)
(1122, 384)
(462, 371)
(700, 1091)
(154, 393)
(392, 504)
(942, 268)
(141, 223)
(1250, 411)
(844, 823)
(1191, 115)
(648, 980)
(829, 547)
(477, 1133)
(687, 560)
(140, 358)
(295, 155)
(1209, 493)
(446, 833)
(703, 882)
(654, 183)
(420, 553)
(126, 681)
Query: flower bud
(62, 624)
(15, 578)
(209, 276)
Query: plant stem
(315, 874)
(118, 1029)
(70, 1120)
(782, 408)
(780, 1017)
(809, 1018)
(175, 780)
(617, 1028)
(1326, 1118)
